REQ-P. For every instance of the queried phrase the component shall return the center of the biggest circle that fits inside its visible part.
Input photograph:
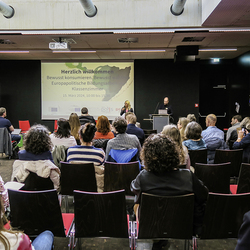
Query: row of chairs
(104, 215)
(221, 156)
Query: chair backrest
(24, 125)
(77, 177)
(197, 156)
(36, 183)
(100, 214)
(233, 156)
(119, 176)
(166, 216)
(5, 142)
(55, 126)
(123, 156)
(215, 176)
(36, 211)
(148, 132)
(224, 215)
(244, 179)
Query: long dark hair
(63, 128)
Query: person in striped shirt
(86, 153)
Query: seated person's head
(37, 140)
(103, 125)
(244, 122)
(131, 118)
(87, 132)
(127, 113)
(211, 120)
(63, 129)
(84, 111)
(172, 132)
(120, 125)
(193, 131)
(159, 154)
(191, 117)
(182, 123)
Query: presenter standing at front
(167, 106)
(126, 108)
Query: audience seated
(36, 157)
(75, 126)
(172, 132)
(5, 123)
(161, 176)
(193, 137)
(86, 153)
(62, 135)
(182, 123)
(15, 240)
(85, 117)
(213, 137)
(132, 129)
(122, 141)
(234, 135)
(235, 122)
(191, 118)
(243, 141)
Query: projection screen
(102, 87)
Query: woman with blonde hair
(126, 108)
(172, 132)
(75, 125)
(181, 125)
(15, 240)
(103, 128)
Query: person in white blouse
(62, 135)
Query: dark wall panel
(155, 79)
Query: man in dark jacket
(85, 117)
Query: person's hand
(240, 135)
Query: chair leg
(194, 243)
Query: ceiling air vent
(127, 40)
(6, 41)
(193, 39)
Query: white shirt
(67, 142)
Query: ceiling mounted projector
(59, 46)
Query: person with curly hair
(173, 133)
(36, 157)
(86, 153)
(37, 144)
(62, 135)
(75, 125)
(161, 176)
(103, 128)
(15, 240)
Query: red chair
(24, 126)
(55, 126)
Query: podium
(159, 121)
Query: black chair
(243, 185)
(77, 177)
(224, 215)
(148, 132)
(118, 176)
(36, 211)
(100, 215)
(36, 183)
(166, 217)
(197, 156)
(216, 177)
(233, 156)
